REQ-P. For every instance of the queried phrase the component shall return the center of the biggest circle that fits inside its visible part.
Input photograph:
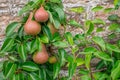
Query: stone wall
(9, 9)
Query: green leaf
(56, 23)
(33, 76)
(19, 76)
(98, 21)
(71, 69)
(22, 52)
(113, 17)
(74, 23)
(61, 44)
(11, 27)
(78, 9)
(55, 1)
(100, 65)
(10, 70)
(7, 45)
(88, 60)
(115, 73)
(69, 38)
(85, 77)
(38, 44)
(42, 74)
(99, 29)
(47, 32)
(103, 56)
(56, 70)
(44, 39)
(83, 71)
(99, 41)
(91, 28)
(89, 50)
(30, 6)
(112, 48)
(117, 2)
(60, 13)
(113, 26)
(108, 10)
(1, 76)
(30, 66)
(97, 8)
(80, 61)
(62, 54)
(100, 76)
(56, 37)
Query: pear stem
(30, 16)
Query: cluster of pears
(33, 27)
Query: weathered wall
(9, 9)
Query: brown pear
(31, 27)
(52, 28)
(42, 56)
(41, 15)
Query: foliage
(18, 47)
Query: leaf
(97, 8)
(60, 13)
(7, 45)
(80, 61)
(100, 76)
(89, 50)
(99, 29)
(56, 37)
(91, 28)
(88, 60)
(22, 52)
(108, 10)
(85, 77)
(55, 1)
(62, 54)
(11, 27)
(83, 71)
(98, 21)
(21, 31)
(44, 39)
(10, 70)
(56, 70)
(112, 48)
(71, 69)
(30, 66)
(113, 17)
(61, 44)
(78, 9)
(103, 56)
(74, 23)
(33, 76)
(113, 26)
(30, 6)
(99, 41)
(69, 38)
(42, 74)
(115, 73)
(100, 65)
(19, 76)
(56, 23)
(117, 2)
(47, 32)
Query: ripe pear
(41, 15)
(42, 56)
(52, 28)
(31, 27)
